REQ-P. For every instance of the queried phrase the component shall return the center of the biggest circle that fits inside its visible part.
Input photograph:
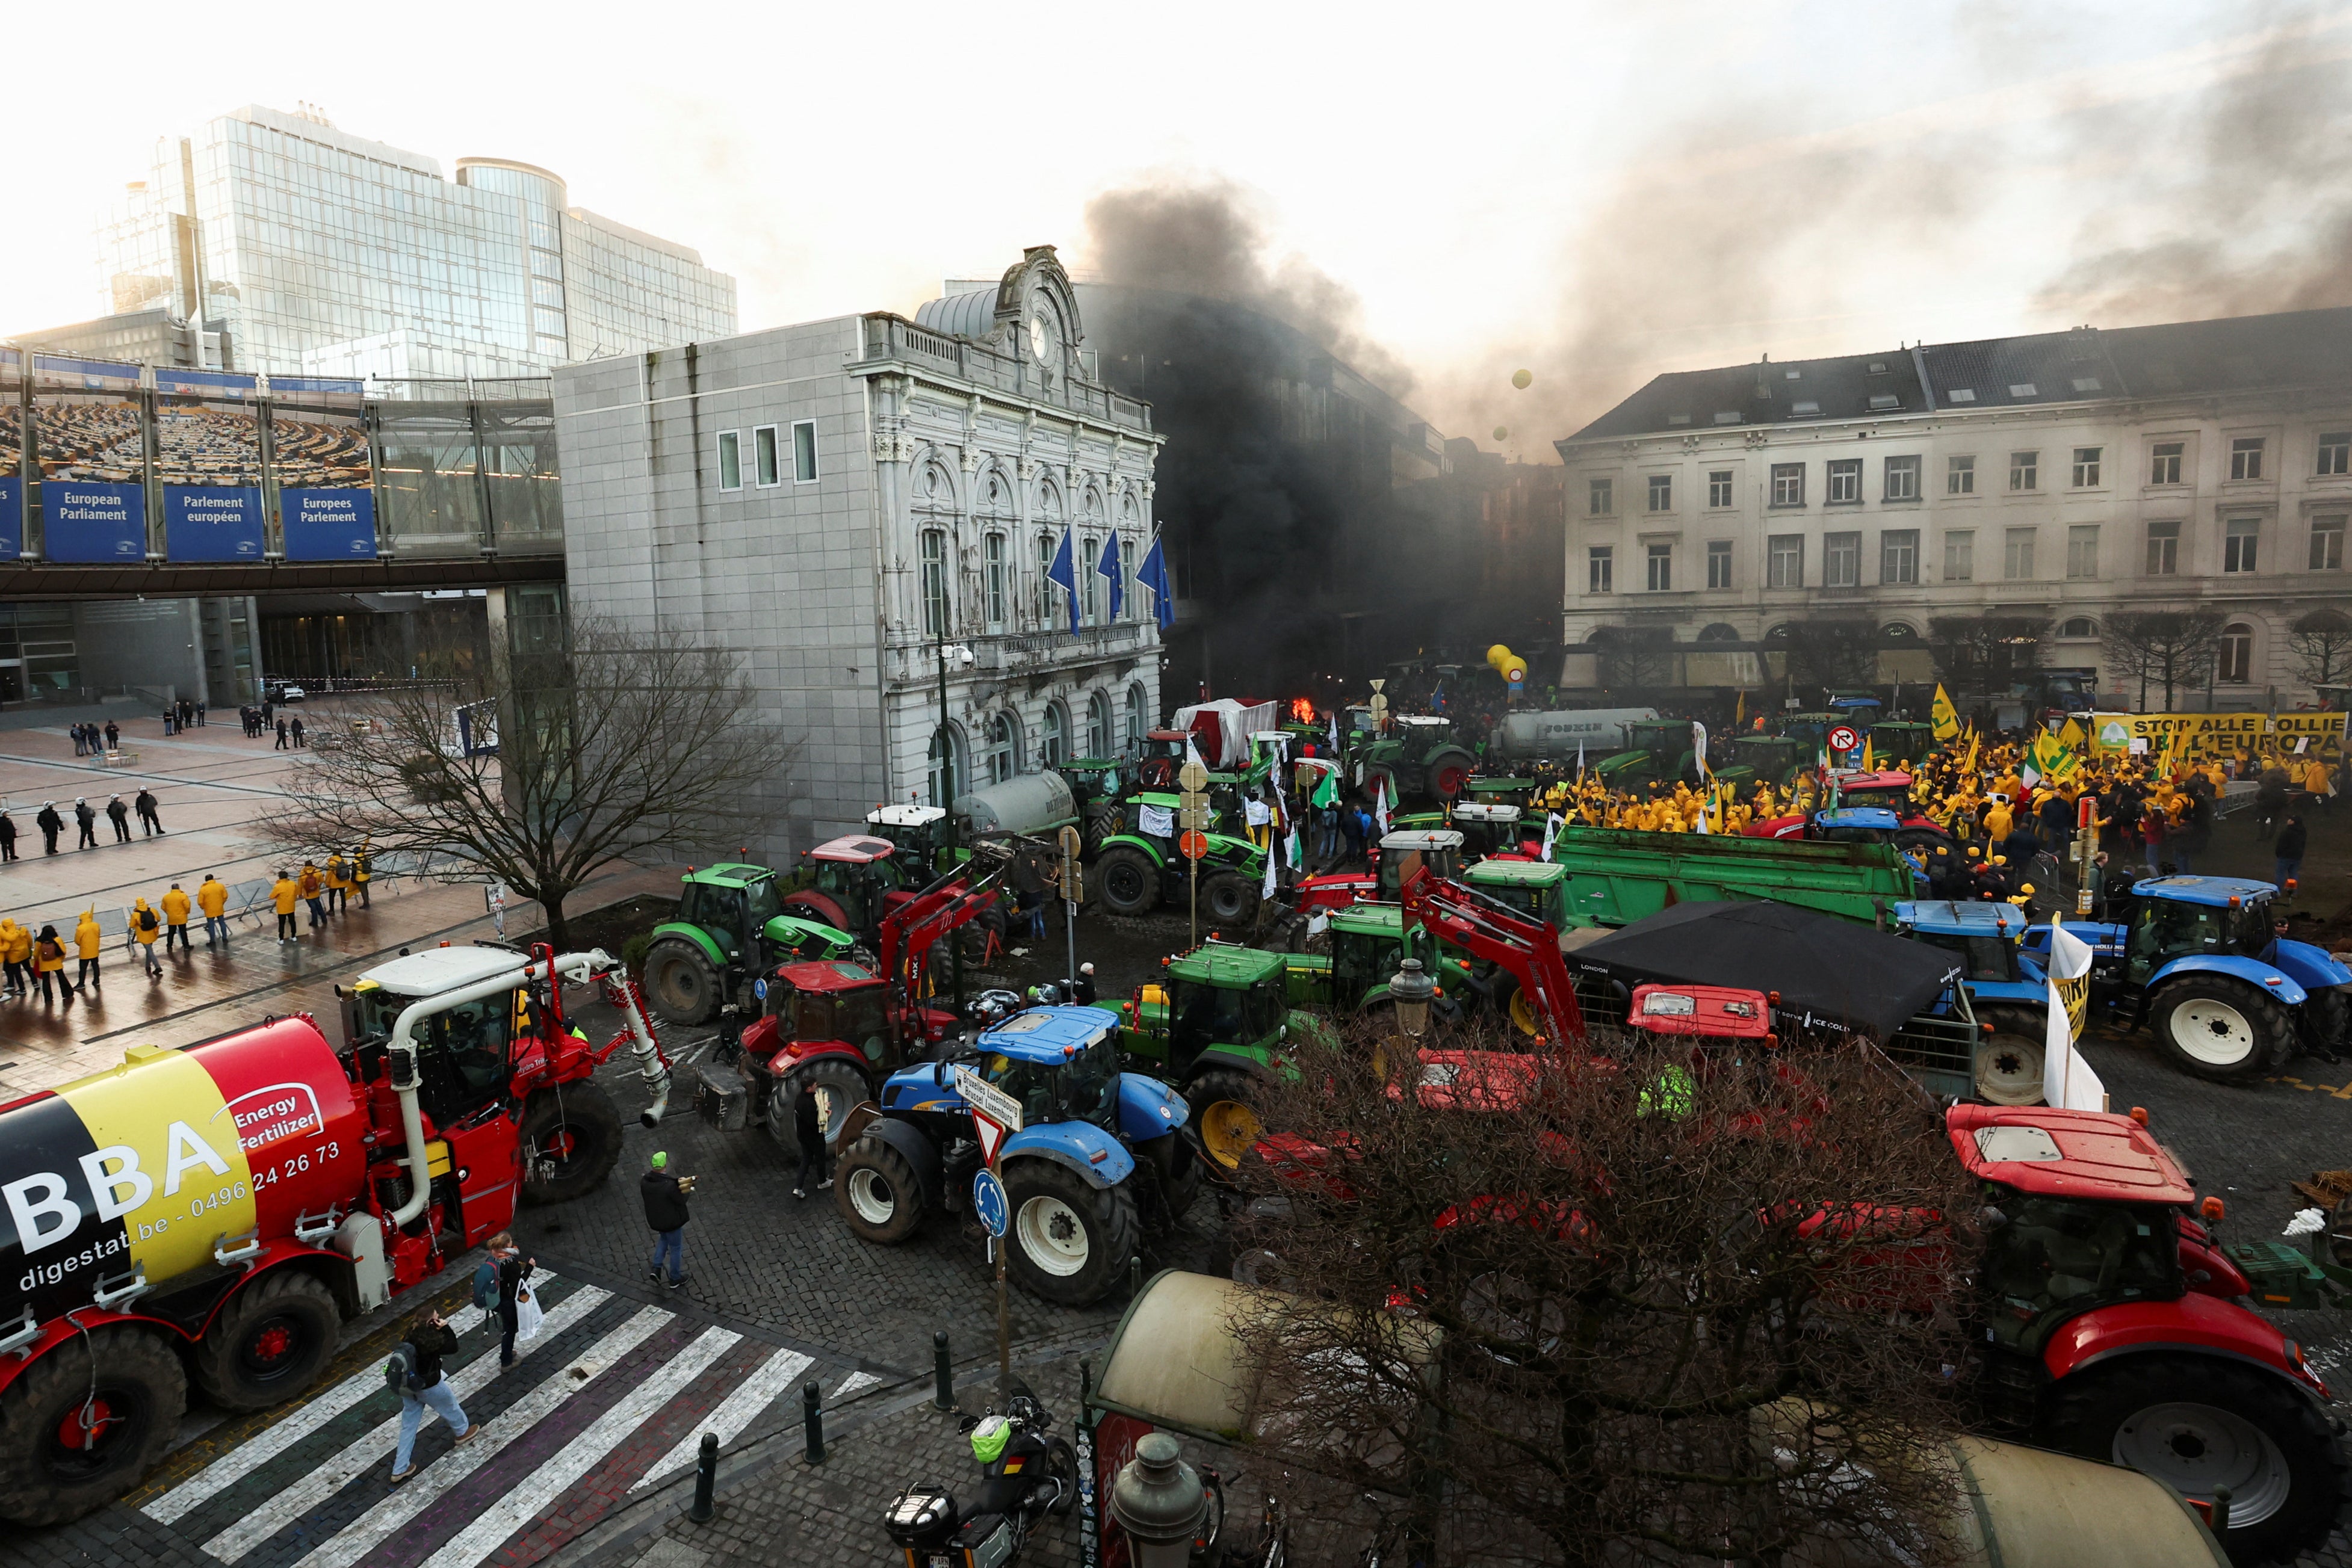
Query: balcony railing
(891, 338)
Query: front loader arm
(1529, 949)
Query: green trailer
(1615, 876)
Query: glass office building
(319, 253)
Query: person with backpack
(145, 926)
(414, 1370)
(49, 958)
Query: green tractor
(1139, 866)
(1899, 743)
(730, 918)
(1776, 759)
(1368, 943)
(1419, 758)
(1654, 749)
(1214, 1028)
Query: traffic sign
(989, 1204)
(1192, 777)
(1194, 844)
(1842, 738)
(987, 1100)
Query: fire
(1302, 710)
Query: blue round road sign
(989, 1202)
(760, 989)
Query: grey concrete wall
(140, 642)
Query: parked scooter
(1027, 1475)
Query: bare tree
(612, 743)
(2322, 641)
(1634, 658)
(1836, 653)
(1665, 1310)
(1986, 654)
(2170, 648)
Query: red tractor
(858, 880)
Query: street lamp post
(1410, 988)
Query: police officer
(50, 824)
(86, 818)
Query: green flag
(1327, 792)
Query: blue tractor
(1102, 1154)
(2007, 989)
(2196, 958)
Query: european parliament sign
(12, 517)
(212, 522)
(329, 524)
(87, 522)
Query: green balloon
(1522, 379)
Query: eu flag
(1109, 567)
(1153, 575)
(1063, 569)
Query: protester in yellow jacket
(11, 935)
(87, 940)
(49, 958)
(176, 905)
(284, 895)
(338, 882)
(213, 899)
(146, 924)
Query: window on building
(2083, 551)
(2023, 389)
(1788, 483)
(1099, 725)
(1961, 555)
(2237, 546)
(2025, 470)
(946, 767)
(2086, 467)
(2236, 663)
(763, 455)
(1053, 737)
(1090, 581)
(804, 451)
(1601, 496)
(1601, 568)
(1661, 568)
(1045, 604)
(2246, 457)
(1137, 720)
(2080, 627)
(1846, 481)
(993, 565)
(1898, 556)
(1718, 631)
(2164, 548)
(1719, 563)
(1661, 491)
(2017, 555)
(1902, 481)
(1003, 747)
(1960, 476)
(935, 582)
(1129, 598)
(2327, 542)
(1718, 487)
(2335, 453)
(2164, 462)
(731, 459)
(1784, 560)
(1841, 560)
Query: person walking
(665, 1199)
(145, 801)
(338, 882)
(283, 894)
(86, 821)
(281, 736)
(808, 1125)
(11, 960)
(513, 1268)
(7, 837)
(314, 888)
(113, 736)
(213, 899)
(80, 734)
(87, 941)
(146, 924)
(176, 906)
(298, 732)
(50, 824)
(2288, 849)
(48, 959)
(120, 815)
(361, 874)
(415, 1368)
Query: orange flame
(1302, 710)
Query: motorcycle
(1027, 1475)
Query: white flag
(1698, 746)
(1380, 803)
(1579, 760)
(2067, 1081)
(1552, 825)
(1273, 859)
(1335, 732)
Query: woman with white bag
(518, 1313)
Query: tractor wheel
(2009, 1060)
(71, 1442)
(681, 983)
(1102, 822)
(1179, 1168)
(269, 1343)
(1126, 881)
(1070, 1241)
(2218, 1028)
(1511, 1000)
(571, 1141)
(1224, 1105)
(877, 1192)
(838, 1087)
(2321, 1020)
(2196, 1423)
(1449, 773)
(1228, 898)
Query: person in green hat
(664, 1197)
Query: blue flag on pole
(1108, 566)
(1153, 575)
(1063, 569)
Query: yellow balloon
(1502, 433)
(1522, 379)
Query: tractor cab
(852, 882)
(1666, 742)
(1985, 937)
(1809, 730)
(1061, 1063)
(1163, 754)
(817, 1002)
(2176, 917)
(1221, 999)
(1896, 741)
(1774, 758)
(1501, 791)
(919, 831)
(1489, 829)
(1093, 781)
(1855, 825)
(1402, 852)
(466, 1063)
(1889, 790)
(733, 904)
(1537, 889)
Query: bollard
(2220, 1511)
(1135, 1276)
(942, 1373)
(813, 1418)
(705, 1478)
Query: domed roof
(971, 315)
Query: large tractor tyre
(1071, 1242)
(1449, 772)
(1228, 898)
(1126, 880)
(2196, 1423)
(571, 1141)
(877, 1192)
(2219, 1028)
(2008, 1060)
(681, 982)
(838, 1086)
(2320, 1021)
(1509, 999)
(1223, 1102)
(270, 1342)
(71, 1441)
(1178, 1168)
(1102, 822)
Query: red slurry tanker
(211, 1215)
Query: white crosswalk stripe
(856, 1383)
(358, 1457)
(734, 1413)
(371, 1527)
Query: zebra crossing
(611, 1398)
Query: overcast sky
(1595, 193)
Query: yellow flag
(1866, 767)
(2071, 736)
(1969, 769)
(1739, 711)
(1946, 718)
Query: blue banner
(86, 520)
(212, 522)
(12, 517)
(328, 525)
